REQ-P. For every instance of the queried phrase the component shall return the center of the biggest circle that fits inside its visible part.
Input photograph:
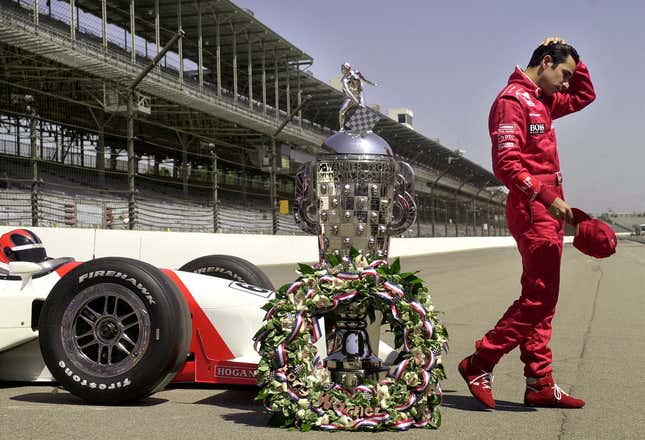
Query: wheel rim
(105, 330)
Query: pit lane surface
(597, 345)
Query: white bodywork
(234, 309)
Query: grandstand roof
(232, 19)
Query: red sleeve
(507, 127)
(579, 94)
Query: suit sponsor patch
(505, 145)
(506, 128)
(537, 128)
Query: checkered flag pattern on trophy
(363, 119)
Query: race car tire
(114, 330)
(230, 268)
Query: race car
(113, 329)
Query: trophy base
(350, 379)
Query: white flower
(324, 420)
(411, 379)
(321, 301)
(343, 420)
(301, 413)
(303, 403)
(383, 394)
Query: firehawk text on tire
(230, 268)
(114, 330)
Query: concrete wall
(173, 249)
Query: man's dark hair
(558, 51)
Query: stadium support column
(264, 79)
(234, 65)
(215, 195)
(157, 31)
(99, 119)
(180, 47)
(483, 187)
(72, 21)
(287, 86)
(218, 57)
(131, 170)
(103, 24)
(133, 30)
(184, 163)
(36, 9)
(277, 88)
(31, 111)
(250, 72)
(200, 49)
(274, 165)
(299, 98)
(451, 161)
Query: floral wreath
(295, 387)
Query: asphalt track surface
(597, 344)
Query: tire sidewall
(230, 268)
(169, 333)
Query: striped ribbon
(403, 425)
(426, 381)
(293, 395)
(281, 355)
(400, 369)
(365, 423)
(430, 364)
(422, 423)
(376, 263)
(385, 296)
(371, 272)
(348, 276)
(295, 286)
(429, 328)
(394, 288)
(412, 399)
(310, 293)
(280, 376)
(395, 313)
(259, 339)
(317, 410)
(418, 307)
(406, 339)
(297, 325)
(331, 427)
(316, 330)
(269, 314)
(326, 279)
(380, 417)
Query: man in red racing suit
(525, 159)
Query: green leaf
(305, 427)
(333, 260)
(305, 269)
(395, 267)
(353, 253)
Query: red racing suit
(525, 159)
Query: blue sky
(448, 60)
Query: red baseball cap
(593, 237)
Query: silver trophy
(356, 197)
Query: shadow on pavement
(64, 398)
(468, 403)
(240, 399)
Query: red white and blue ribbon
(365, 423)
(430, 364)
(406, 338)
(317, 410)
(412, 399)
(281, 355)
(395, 313)
(268, 407)
(348, 276)
(385, 296)
(310, 293)
(363, 389)
(380, 417)
(400, 369)
(394, 288)
(297, 325)
(317, 362)
(422, 423)
(331, 427)
(429, 328)
(280, 376)
(269, 313)
(295, 286)
(259, 340)
(292, 395)
(371, 272)
(326, 279)
(376, 263)
(403, 425)
(344, 297)
(426, 381)
(316, 330)
(418, 307)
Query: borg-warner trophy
(354, 196)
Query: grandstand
(204, 127)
